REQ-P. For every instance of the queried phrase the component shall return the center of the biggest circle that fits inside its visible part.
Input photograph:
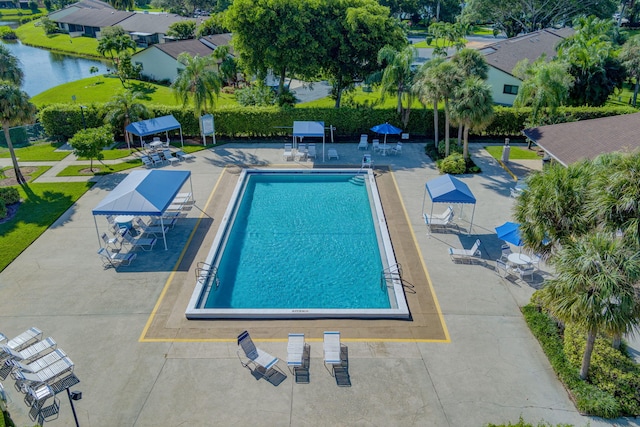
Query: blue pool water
(301, 241)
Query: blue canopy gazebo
(143, 192)
(448, 189)
(153, 126)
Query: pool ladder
(210, 278)
(389, 274)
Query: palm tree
(447, 78)
(124, 108)
(15, 109)
(554, 208)
(471, 64)
(472, 107)
(426, 88)
(397, 77)
(198, 81)
(630, 57)
(10, 67)
(594, 288)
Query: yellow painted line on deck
(426, 271)
(175, 267)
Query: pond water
(44, 69)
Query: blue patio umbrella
(510, 233)
(386, 129)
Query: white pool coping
(399, 308)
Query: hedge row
(64, 120)
(589, 398)
(8, 196)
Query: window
(510, 89)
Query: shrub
(9, 195)
(454, 164)
(453, 147)
(6, 33)
(3, 209)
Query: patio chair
(184, 156)
(38, 364)
(146, 160)
(24, 340)
(331, 348)
(311, 151)
(376, 145)
(367, 162)
(157, 160)
(8, 357)
(506, 251)
(397, 149)
(443, 220)
(364, 142)
(166, 153)
(265, 365)
(154, 230)
(332, 153)
(111, 241)
(502, 268)
(287, 154)
(526, 270)
(46, 375)
(466, 254)
(146, 244)
(115, 259)
(295, 349)
(301, 153)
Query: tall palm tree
(397, 77)
(426, 87)
(198, 81)
(471, 64)
(124, 108)
(594, 288)
(15, 109)
(472, 107)
(10, 67)
(554, 208)
(447, 78)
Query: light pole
(74, 395)
(84, 123)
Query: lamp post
(84, 123)
(74, 395)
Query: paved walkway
(489, 370)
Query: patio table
(519, 259)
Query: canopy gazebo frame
(449, 189)
(152, 126)
(310, 129)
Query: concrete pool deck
(141, 364)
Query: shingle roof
(505, 54)
(95, 17)
(152, 23)
(93, 4)
(216, 40)
(586, 139)
(192, 47)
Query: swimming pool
(301, 244)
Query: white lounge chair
(254, 354)
(295, 350)
(157, 160)
(397, 149)
(38, 364)
(466, 254)
(145, 243)
(154, 230)
(502, 268)
(184, 156)
(332, 153)
(24, 340)
(32, 352)
(376, 145)
(46, 375)
(115, 259)
(301, 153)
(439, 221)
(287, 154)
(111, 241)
(166, 153)
(364, 142)
(311, 151)
(146, 160)
(331, 348)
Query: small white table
(519, 259)
(155, 144)
(383, 149)
(124, 221)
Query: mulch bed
(11, 176)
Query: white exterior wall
(156, 64)
(497, 79)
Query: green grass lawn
(41, 205)
(114, 154)
(101, 89)
(32, 177)
(31, 35)
(40, 152)
(434, 43)
(360, 97)
(16, 14)
(99, 168)
(516, 153)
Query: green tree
(447, 78)
(90, 142)
(355, 32)
(630, 57)
(182, 30)
(127, 70)
(397, 77)
(10, 70)
(444, 35)
(122, 4)
(125, 108)
(545, 87)
(115, 45)
(472, 108)
(426, 87)
(212, 25)
(471, 64)
(15, 109)
(197, 81)
(524, 16)
(594, 288)
(277, 35)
